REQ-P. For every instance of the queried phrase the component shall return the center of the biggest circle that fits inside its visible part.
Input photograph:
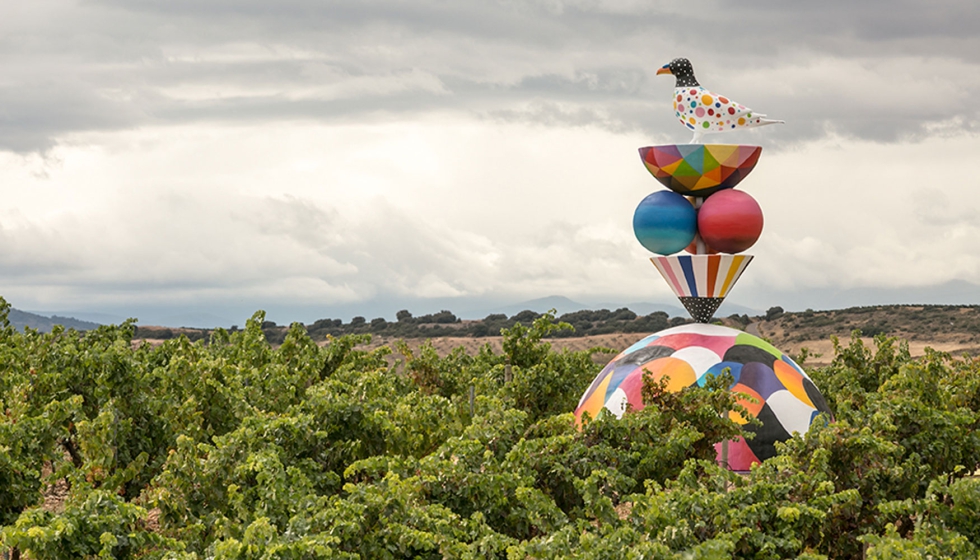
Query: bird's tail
(762, 120)
(757, 121)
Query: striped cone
(701, 282)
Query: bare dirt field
(821, 352)
(444, 345)
(951, 329)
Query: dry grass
(445, 345)
(821, 349)
(951, 329)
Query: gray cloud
(34, 115)
(301, 154)
(840, 67)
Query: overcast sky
(303, 157)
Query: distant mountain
(89, 316)
(561, 304)
(21, 319)
(728, 308)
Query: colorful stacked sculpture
(705, 216)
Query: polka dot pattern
(703, 111)
(700, 109)
(702, 309)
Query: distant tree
(773, 313)
(656, 321)
(526, 316)
(322, 324)
(378, 324)
(403, 316)
(624, 314)
(740, 319)
(443, 317)
(357, 321)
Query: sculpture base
(772, 388)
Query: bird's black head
(681, 69)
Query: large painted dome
(786, 400)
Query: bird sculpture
(703, 111)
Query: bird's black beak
(665, 70)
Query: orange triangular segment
(655, 171)
(704, 183)
(714, 175)
(671, 168)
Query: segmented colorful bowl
(700, 169)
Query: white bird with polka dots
(703, 111)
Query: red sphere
(730, 221)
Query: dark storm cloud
(121, 64)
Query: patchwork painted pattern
(781, 395)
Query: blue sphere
(665, 222)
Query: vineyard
(230, 447)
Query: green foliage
(233, 448)
(544, 382)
